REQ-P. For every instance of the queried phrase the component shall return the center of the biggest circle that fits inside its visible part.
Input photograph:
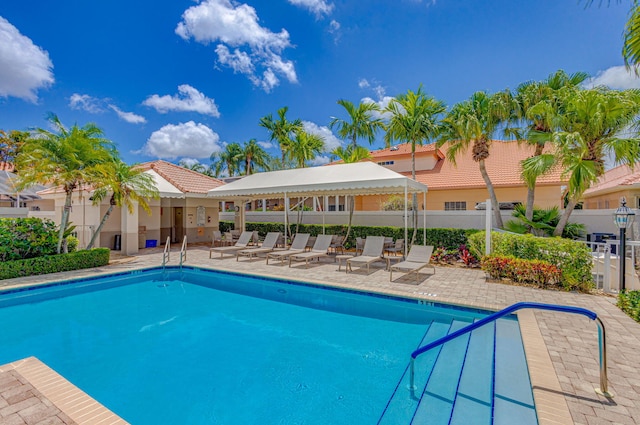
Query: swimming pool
(204, 347)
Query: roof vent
(394, 148)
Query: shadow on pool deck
(562, 349)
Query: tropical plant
(127, 185)
(254, 157)
(473, 123)
(543, 223)
(71, 158)
(304, 147)
(229, 159)
(11, 144)
(595, 124)
(197, 167)
(416, 118)
(538, 104)
(631, 46)
(396, 203)
(361, 123)
(281, 130)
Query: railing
(602, 344)
(183, 251)
(166, 254)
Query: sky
(178, 80)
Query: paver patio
(570, 341)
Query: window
(455, 206)
(386, 163)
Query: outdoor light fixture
(623, 218)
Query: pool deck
(562, 349)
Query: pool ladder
(602, 343)
(166, 255)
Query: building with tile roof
(460, 186)
(182, 210)
(611, 186)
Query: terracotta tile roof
(6, 166)
(185, 180)
(621, 175)
(503, 167)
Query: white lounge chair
(418, 258)
(242, 243)
(267, 246)
(320, 249)
(297, 246)
(372, 252)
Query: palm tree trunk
(414, 209)
(105, 217)
(352, 205)
(564, 219)
(65, 218)
(492, 194)
(528, 214)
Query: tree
(229, 159)
(543, 223)
(350, 155)
(128, 185)
(538, 106)
(197, 167)
(473, 123)
(254, 157)
(305, 147)
(11, 144)
(631, 46)
(361, 123)
(71, 158)
(595, 124)
(416, 119)
(281, 130)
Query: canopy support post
(286, 216)
(406, 232)
(424, 218)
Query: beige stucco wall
(612, 200)
(403, 165)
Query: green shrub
(537, 272)
(446, 238)
(27, 238)
(629, 302)
(54, 263)
(571, 257)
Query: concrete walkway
(563, 359)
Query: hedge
(629, 302)
(55, 263)
(447, 238)
(573, 258)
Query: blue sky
(179, 79)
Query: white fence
(606, 263)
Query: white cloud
(24, 67)
(382, 103)
(237, 25)
(334, 28)
(188, 99)
(129, 117)
(266, 145)
(320, 160)
(330, 140)
(189, 162)
(319, 7)
(85, 102)
(363, 83)
(616, 77)
(182, 140)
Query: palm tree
(538, 104)
(254, 156)
(473, 123)
(631, 46)
(305, 147)
(594, 125)
(228, 159)
(197, 167)
(11, 144)
(361, 123)
(350, 155)
(416, 119)
(127, 185)
(281, 130)
(70, 158)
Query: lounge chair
(359, 245)
(371, 253)
(267, 246)
(297, 246)
(241, 244)
(398, 247)
(337, 243)
(418, 258)
(217, 239)
(320, 249)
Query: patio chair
(320, 249)
(217, 239)
(359, 245)
(337, 243)
(241, 244)
(297, 246)
(419, 257)
(267, 246)
(310, 242)
(398, 247)
(372, 252)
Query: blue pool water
(204, 347)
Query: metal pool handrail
(167, 252)
(183, 251)
(602, 344)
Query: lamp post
(623, 218)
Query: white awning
(165, 189)
(362, 178)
